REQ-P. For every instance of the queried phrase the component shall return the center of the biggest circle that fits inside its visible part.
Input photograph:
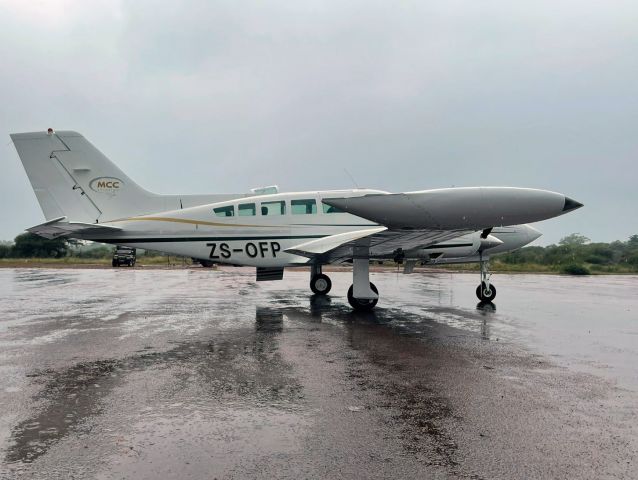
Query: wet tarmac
(195, 373)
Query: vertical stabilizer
(71, 178)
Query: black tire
(362, 305)
(320, 284)
(114, 263)
(207, 263)
(484, 296)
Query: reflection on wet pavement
(247, 369)
(185, 374)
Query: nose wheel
(486, 293)
(320, 284)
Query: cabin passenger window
(273, 208)
(330, 209)
(303, 207)
(228, 211)
(246, 209)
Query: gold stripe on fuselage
(192, 222)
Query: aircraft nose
(571, 204)
(532, 233)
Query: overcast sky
(206, 96)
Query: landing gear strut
(486, 292)
(362, 295)
(320, 284)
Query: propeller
(486, 232)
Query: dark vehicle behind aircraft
(124, 256)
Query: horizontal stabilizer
(326, 244)
(60, 227)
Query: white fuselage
(256, 231)
(253, 231)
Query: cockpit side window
(303, 207)
(228, 211)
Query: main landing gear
(362, 294)
(363, 304)
(486, 292)
(320, 284)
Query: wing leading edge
(383, 243)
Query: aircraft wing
(382, 241)
(325, 245)
(420, 219)
(60, 227)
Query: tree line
(30, 245)
(575, 253)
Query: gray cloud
(203, 96)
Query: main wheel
(114, 263)
(485, 295)
(320, 284)
(362, 304)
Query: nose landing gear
(486, 292)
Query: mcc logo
(106, 184)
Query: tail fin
(71, 178)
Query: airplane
(84, 195)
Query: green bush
(29, 245)
(597, 260)
(5, 251)
(575, 269)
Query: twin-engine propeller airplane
(84, 195)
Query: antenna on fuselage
(351, 178)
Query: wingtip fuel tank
(459, 208)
